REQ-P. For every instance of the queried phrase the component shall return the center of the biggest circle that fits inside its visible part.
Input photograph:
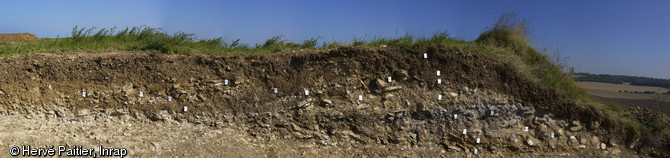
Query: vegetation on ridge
(507, 40)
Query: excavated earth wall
(338, 102)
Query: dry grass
(17, 37)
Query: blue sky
(610, 37)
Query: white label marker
(276, 91)
(141, 94)
(425, 55)
(477, 140)
(552, 135)
(475, 151)
(225, 82)
(439, 81)
(439, 97)
(526, 129)
(438, 72)
(169, 98)
(306, 92)
(389, 79)
(83, 94)
(465, 131)
(455, 116)
(492, 112)
(360, 97)
(185, 108)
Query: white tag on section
(141, 94)
(360, 97)
(306, 92)
(526, 129)
(455, 116)
(477, 140)
(169, 98)
(552, 135)
(438, 72)
(475, 151)
(185, 108)
(389, 79)
(465, 131)
(492, 112)
(225, 82)
(425, 55)
(83, 94)
(439, 97)
(276, 91)
(439, 81)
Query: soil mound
(17, 37)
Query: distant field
(609, 93)
(609, 90)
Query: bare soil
(351, 108)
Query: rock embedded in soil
(392, 88)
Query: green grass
(507, 39)
(146, 39)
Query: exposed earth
(226, 106)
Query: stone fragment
(513, 139)
(453, 94)
(595, 141)
(392, 88)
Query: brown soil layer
(404, 114)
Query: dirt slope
(351, 108)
